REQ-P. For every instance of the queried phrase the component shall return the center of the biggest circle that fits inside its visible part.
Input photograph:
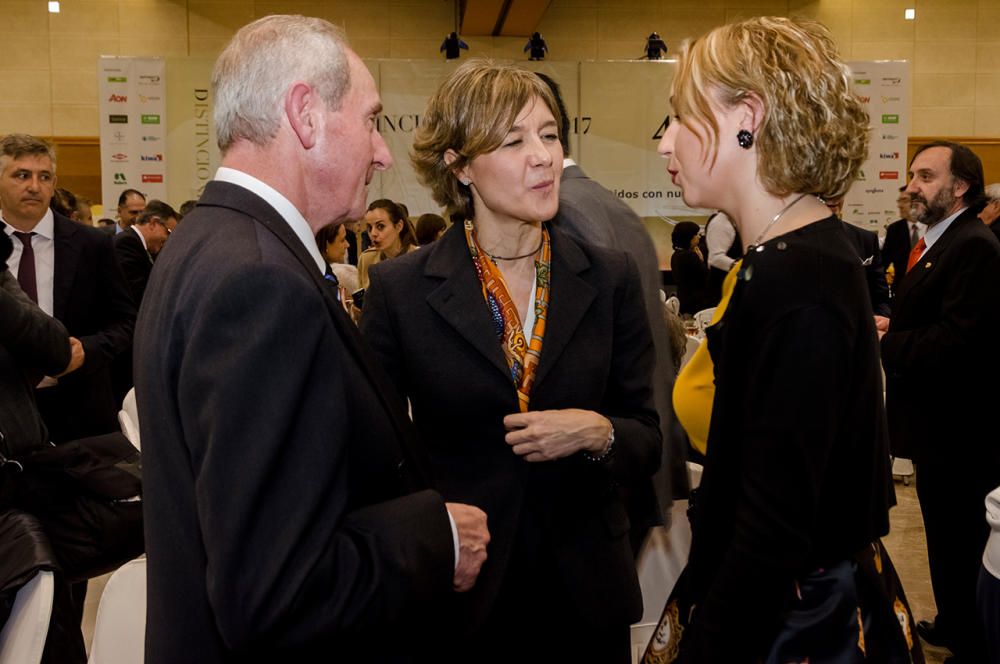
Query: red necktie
(918, 249)
(26, 267)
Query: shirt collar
(44, 228)
(937, 230)
(142, 238)
(568, 161)
(282, 205)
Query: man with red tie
(938, 353)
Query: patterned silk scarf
(522, 357)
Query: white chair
(23, 637)
(673, 304)
(120, 629)
(704, 318)
(128, 418)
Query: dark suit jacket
(278, 470)
(426, 319)
(940, 349)
(135, 261)
(91, 299)
(866, 243)
(896, 251)
(32, 344)
(590, 213)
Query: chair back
(704, 318)
(128, 418)
(120, 630)
(22, 639)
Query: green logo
(117, 79)
(862, 81)
(150, 119)
(890, 118)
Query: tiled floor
(905, 543)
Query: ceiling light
(909, 14)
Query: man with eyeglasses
(138, 245)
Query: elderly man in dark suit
(592, 214)
(288, 514)
(138, 245)
(938, 354)
(71, 272)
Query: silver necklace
(773, 221)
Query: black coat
(866, 243)
(427, 320)
(135, 261)
(286, 518)
(91, 299)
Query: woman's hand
(546, 435)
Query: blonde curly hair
(813, 136)
(471, 113)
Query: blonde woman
(786, 393)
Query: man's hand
(76, 357)
(881, 325)
(473, 536)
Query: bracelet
(609, 447)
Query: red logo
(888, 175)
(151, 178)
(118, 99)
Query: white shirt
(43, 244)
(142, 238)
(719, 237)
(932, 234)
(991, 556)
(282, 205)
(301, 228)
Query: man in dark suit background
(288, 517)
(138, 245)
(900, 238)
(939, 354)
(71, 272)
(130, 204)
(592, 214)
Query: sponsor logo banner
(150, 119)
(118, 119)
(152, 177)
(888, 175)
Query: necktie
(914, 235)
(918, 249)
(26, 268)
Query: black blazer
(866, 243)
(286, 518)
(941, 348)
(91, 299)
(691, 276)
(426, 319)
(135, 261)
(896, 251)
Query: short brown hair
(813, 137)
(16, 146)
(471, 113)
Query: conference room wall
(48, 73)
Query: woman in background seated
(332, 242)
(689, 269)
(527, 360)
(796, 485)
(391, 234)
(429, 228)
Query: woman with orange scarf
(527, 361)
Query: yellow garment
(694, 390)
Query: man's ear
(450, 157)
(959, 187)
(302, 110)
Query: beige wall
(48, 80)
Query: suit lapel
(569, 299)
(67, 256)
(459, 299)
(246, 202)
(928, 262)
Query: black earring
(745, 139)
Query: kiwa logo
(151, 157)
(888, 155)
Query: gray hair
(265, 57)
(993, 191)
(16, 146)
